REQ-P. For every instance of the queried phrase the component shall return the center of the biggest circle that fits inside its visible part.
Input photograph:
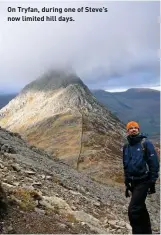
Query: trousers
(137, 212)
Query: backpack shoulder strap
(144, 149)
(142, 144)
(126, 144)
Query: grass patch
(25, 198)
(71, 218)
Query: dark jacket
(139, 163)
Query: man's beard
(134, 133)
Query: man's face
(133, 130)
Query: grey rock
(10, 228)
(48, 177)
(36, 184)
(97, 204)
(39, 211)
(8, 186)
(112, 222)
(16, 167)
(30, 172)
(16, 183)
(128, 226)
(62, 226)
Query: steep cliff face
(58, 113)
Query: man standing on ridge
(141, 167)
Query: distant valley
(5, 98)
(142, 105)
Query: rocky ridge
(58, 113)
(41, 189)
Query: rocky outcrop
(45, 195)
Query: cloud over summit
(105, 49)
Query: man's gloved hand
(152, 188)
(128, 188)
(127, 194)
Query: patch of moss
(26, 198)
(71, 218)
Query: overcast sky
(111, 50)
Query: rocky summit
(41, 194)
(59, 114)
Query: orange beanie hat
(132, 123)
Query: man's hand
(127, 194)
(128, 188)
(152, 188)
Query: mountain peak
(53, 79)
(58, 113)
(140, 90)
